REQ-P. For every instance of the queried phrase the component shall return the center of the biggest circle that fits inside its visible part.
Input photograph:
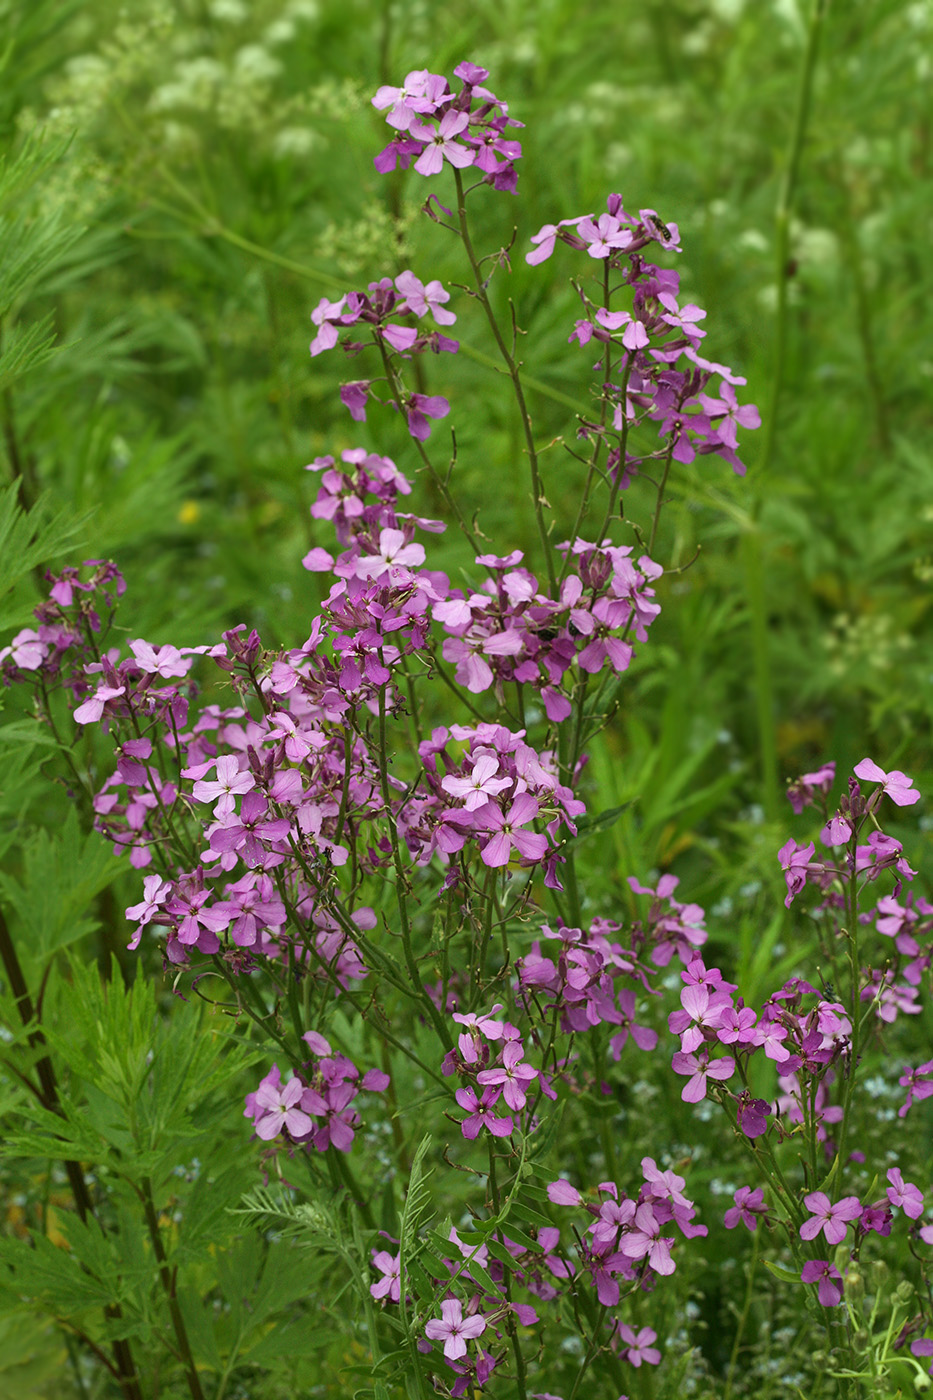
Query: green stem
(506, 1283)
(168, 1279)
(125, 1367)
(783, 217)
(401, 879)
(752, 544)
(397, 390)
(512, 366)
(743, 1316)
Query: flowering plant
(361, 871)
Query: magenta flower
(831, 1219)
(638, 1345)
(513, 1074)
(498, 849)
(481, 784)
(390, 1285)
(93, 709)
(821, 1271)
(748, 1204)
(700, 1068)
(795, 862)
(896, 784)
(230, 782)
(481, 1114)
(905, 1194)
(441, 145)
(453, 1329)
(422, 407)
(280, 1111)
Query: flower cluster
(508, 630)
(70, 626)
(313, 1109)
(641, 375)
(380, 312)
(493, 1076)
(466, 129)
(628, 1237)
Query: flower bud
(861, 1339)
(841, 1257)
(855, 1288)
(879, 1273)
(922, 1381)
(904, 1292)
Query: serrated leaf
(28, 540)
(63, 870)
(24, 350)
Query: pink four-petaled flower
(831, 1219)
(453, 1329)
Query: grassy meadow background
(209, 178)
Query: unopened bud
(879, 1273)
(841, 1258)
(922, 1381)
(904, 1292)
(860, 1339)
(855, 1287)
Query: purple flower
(353, 396)
(638, 1345)
(442, 144)
(92, 710)
(419, 96)
(422, 298)
(752, 1116)
(279, 1109)
(513, 1074)
(795, 862)
(700, 1068)
(563, 1194)
(923, 1346)
(896, 784)
(453, 1329)
(498, 849)
(904, 1194)
(820, 1270)
(481, 1113)
(802, 791)
(165, 661)
(829, 1218)
(421, 407)
(231, 781)
(727, 415)
(748, 1204)
(390, 1285)
(481, 784)
(155, 892)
